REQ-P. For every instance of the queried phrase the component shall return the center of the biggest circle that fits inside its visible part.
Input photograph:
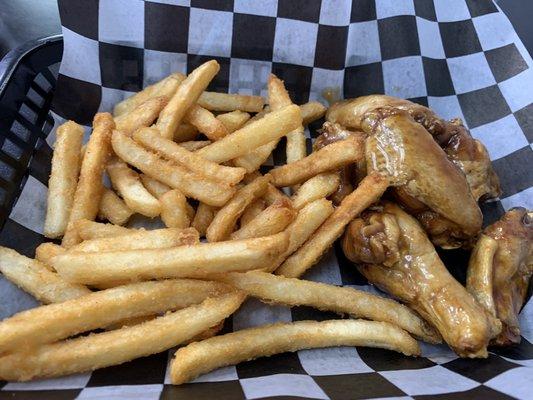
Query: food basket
(496, 99)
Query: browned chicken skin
(393, 252)
(468, 154)
(500, 270)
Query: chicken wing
(500, 270)
(393, 252)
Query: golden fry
(229, 102)
(312, 111)
(369, 191)
(175, 176)
(328, 158)
(66, 162)
(317, 187)
(234, 120)
(252, 211)
(33, 277)
(90, 187)
(127, 182)
(185, 96)
(206, 122)
(203, 218)
(201, 357)
(113, 208)
(198, 260)
(226, 218)
(142, 115)
(118, 346)
(95, 230)
(174, 211)
(195, 145)
(46, 251)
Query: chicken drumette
(452, 220)
(500, 269)
(393, 252)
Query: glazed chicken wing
(393, 252)
(500, 269)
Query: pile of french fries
(192, 158)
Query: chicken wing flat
(500, 270)
(393, 252)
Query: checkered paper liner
(459, 57)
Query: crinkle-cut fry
(185, 133)
(194, 145)
(113, 208)
(90, 186)
(46, 251)
(203, 218)
(342, 300)
(234, 120)
(156, 188)
(50, 323)
(189, 183)
(229, 102)
(142, 115)
(151, 140)
(126, 182)
(118, 346)
(317, 187)
(66, 162)
(307, 221)
(174, 209)
(252, 211)
(369, 191)
(165, 87)
(185, 96)
(226, 218)
(95, 230)
(194, 261)
(36, 279)
(206, 123)
(328, 158)
(312, 111)
(270, 221)
(272, 126)
(230, 349)
(140, 239)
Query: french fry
(194, 145)
(151, 140)
(46, 251)
(328, 158)
(197, 261)
(185, 96)
(90, 186)
(206, 334)
(252, 211)
(156, 188)
(50, 323)
(174, 212)
(206, 122)
(317, 187)
(142, 115)
(342, 300)
(226, 218)
(185, 132)
(230, 349)
(273, 194)
(312, 111)
(113, 208)
(302, 228)
(257, 157)
(36, 279)
(118, 346)
(140, 239)
(66, 163)
(165, 87)
(175, 176)
(270, 221)
(127, 182)
(234, 120)
(203, 218)
(272, 126)
(229, 102)
(368, 191)
(87, 230)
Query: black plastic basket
(28, 76)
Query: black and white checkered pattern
(460, 57)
